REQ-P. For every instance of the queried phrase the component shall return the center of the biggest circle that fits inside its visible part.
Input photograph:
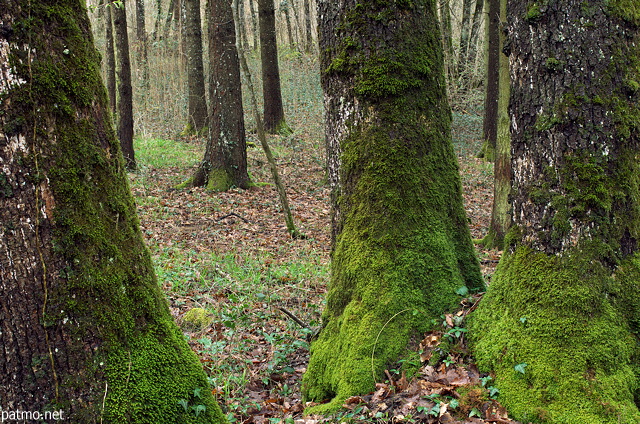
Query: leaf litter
(261, 351)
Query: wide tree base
(556, 333)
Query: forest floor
(230, 254)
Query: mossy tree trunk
(84, 328)
(401, 244)
(197, 114)
(225, 159)
(125, 89)
(274, 121)
(565, 297)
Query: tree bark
(141, 45)
(197, 101)
(254, 23)
(225, 159)
(125, 90)
(110, 61)
(492, 79)
(564, 300)
(401, 241)
(501, 209)
(274, 121)
(308, 45)
(84, 328)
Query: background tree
(125, 90)
(274, 121)
(110, 60)
(492, 79)
(197, 101)
(225, 158)
(141, 43)
(559, 323)
(83, 325)
(401, 242)
(501, 209)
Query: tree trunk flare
(225, 159)
(125, 90)
(84, 328)
(564, 300)
(401, 243)
(274, 121)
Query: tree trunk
(254, 23)
(401, 241)
(225, 159)
(84, 329)
(141, 45)
(501, 210)
(492, 78)
(447, 42)
(110, 61)
(564, 300)
(287, 16)
(172, 17)
(465, 35)
(125, 92)
(274, 121)
(197, 103)
(308, 45)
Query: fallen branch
(236, 215)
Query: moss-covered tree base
(564, 317)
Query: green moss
(219, 180)
(575, 340)
(626, 9)
(534, 13)
(404, 247)
(197, 319)
(120, 342)
(554, 65)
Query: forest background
(230, 271)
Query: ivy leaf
(520, 367)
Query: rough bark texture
(84, 329)
(274, 120)
(125, 90)
(308, 44)
(197, 109)
(225, 159)
(564, 299)
(402, 246)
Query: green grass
(160, 153)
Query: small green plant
(521, 367)
(195, 409)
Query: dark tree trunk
(287, 17)
(84, 329)
(254, 23)
(501, 210)
(401, 241)
(141, 45)
(197, 109)
(125, 92)
(274, 121)
(225, 160)
(172, 17)
(308, 45)
(492, 78)
(564, 300)
(110, 61)
(156, 25)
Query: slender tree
(125, 90)
(84, 328)
(141, 44)
(254, 23)
(501, 209)
(308, 45)
(274, 121)
(197, 102)
(225, 159)
(110, 60)
(559, 323)
(492, 79)
(401, 245)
